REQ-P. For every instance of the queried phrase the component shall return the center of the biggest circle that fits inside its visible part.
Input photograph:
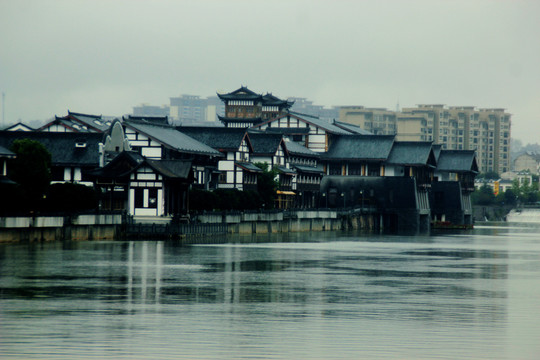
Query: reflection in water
(332, 295)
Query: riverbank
(54, 228)
(118, 226)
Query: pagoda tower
(245, 108)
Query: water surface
(331, 295)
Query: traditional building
(165, 142)
(236, 170)
(144, 187)
(19, 127)
(307, 181)
(77, 122)
(270, 149)
(245, 108)
(5, 155)
(313, 133)
(453, 185)
(72, 154)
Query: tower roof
(243, 93)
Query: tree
(526, 192)
(490, 175)
(71, 197)
(267, 185)
(483, 196)
(31, 170)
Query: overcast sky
(104, 57)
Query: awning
(279, 192)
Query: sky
(107, 56)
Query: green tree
(526, 192)
(267, 185)
(31, 170)
(70, 197)
(483, 196)
(490, 175)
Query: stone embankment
(50, 228)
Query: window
(152, 198)
(139, 198)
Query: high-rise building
(188, 109)
(378, 121)
(487, 131)
(150, 110)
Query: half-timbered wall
(317, 138)
(57, 128)
(146, 193)
(144, 144)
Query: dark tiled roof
(437, 151)
(360, 147)
(353, 129)
(412, 153)
(172, 169)
(172, 138)
(284, 170)
(67, 149)
(457, 161)
(219, 138)
(119, 167)
(308, 169)
(271, 100)
(93, 121)
(243, 93)
(23, 127)
(294, 148)
(322, 124)
(253, 120)
(158, 120)
(248, 166)
(288, 131)
(265, 143)
(6, 153)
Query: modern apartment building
(378, 121)
(487, 131)
(192, 109)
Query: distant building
(306, 107)
(151, 110)
(192, 109)
(378, 121)
(527, 161)
(487, 131)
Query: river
(326, 295)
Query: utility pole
(3, 108)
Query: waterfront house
(308, 177)
(311, 132)
(158, 141)
(236, 169)
(5, 155)
(270, 149)
(72, 154)
(453, 185)
(364, 155)
(143, 186)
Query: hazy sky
(104, 57)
